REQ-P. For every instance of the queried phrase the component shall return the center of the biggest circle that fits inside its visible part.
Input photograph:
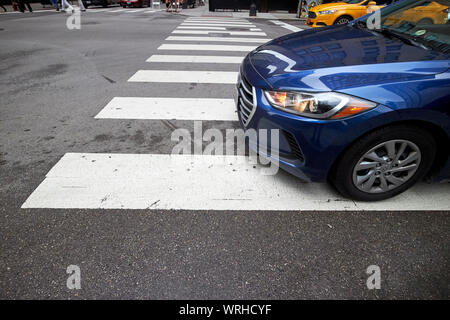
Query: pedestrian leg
(55, 4)
(21, 6)
(28, 5)
(81, 5)
(65, 4)
(1, 5)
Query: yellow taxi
(342, 12)
(429, 12)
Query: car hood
(338, 57)
(331, 6)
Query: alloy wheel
(386, 166)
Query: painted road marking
(231, 33)
(200, 182)
(286, 25)
(194, 59)
(223, 77)
(169, 109)
(206, 47)
(213, 28)
(207, 28)
(219, 25)
(218, 39)
(216, 18)
(218, 22)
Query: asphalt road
(53, 81)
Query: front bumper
(307, 148)
(321, 20)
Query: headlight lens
(327, 12)
(328, 105)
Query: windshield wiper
(418, 41)
(413, 41)
(400, 36)
(406, 38)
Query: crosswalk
(199, 181)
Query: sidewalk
(204, 11)
(35, 6)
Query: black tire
(343, 20)
(105, 4)
(342, 173)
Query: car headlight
(327, 12)
(327, 105)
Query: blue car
(365, 106)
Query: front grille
(246, 102)
(295, 149)
(311, 15)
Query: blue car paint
(407, 83)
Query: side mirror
(372, 3)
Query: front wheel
(384, 163)
(343, 20)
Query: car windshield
(420, 22)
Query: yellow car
(427, 13)
(342, 12)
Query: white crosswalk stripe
(217, 21)
(231, 33)
(197, 182)
(218, 39)
(222, 77)
(286, 25)
(200, 28)
(240, 26)
(206, 47)
(169, 108)
(194, 59)
(211, 28)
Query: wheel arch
(344, 15)
(438, 134)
